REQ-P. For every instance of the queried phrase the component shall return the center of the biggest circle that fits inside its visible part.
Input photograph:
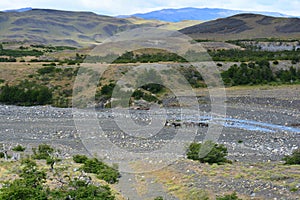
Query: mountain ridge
(246, 26)
(191, 13)
(58, 27)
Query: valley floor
(261, 126)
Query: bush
(107, 90)
(27, 188)
(32, 186)
(26, 94)
(80, 158)
(293, 159)
(102, 170)
(43, 152)
(232, 196)
(19, 148)
(46, 70)
(208, 152)
(196, 194)
(159, 198)
(87, 191)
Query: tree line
(258, 73)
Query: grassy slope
(59, 27)
(259, 26)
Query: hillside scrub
(26, 94)
(258, 73)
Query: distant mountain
(246, 26)
(202, 14)
(19, 10)
(60, 27)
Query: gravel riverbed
(257, 127)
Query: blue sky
(120, 7)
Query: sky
(126, 7)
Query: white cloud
(117, 7)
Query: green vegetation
(80, 158)
(107, 90)
(48, 70)
(43, 152)
(103, 171)
(208, 152)
(193, 76)
(236, 55)
(197, 194)
(8, 59)
(139, 94)
(288, 76)
(48, 86)
(232, 196)
(130, 57)
(31, 186)
(34, 182)
(150, 80)
(293, 159)
(251, 73)
(19, 148)
(20, 53)
(258, 73)
(26, 94)
(53, 48)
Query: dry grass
(180, 182)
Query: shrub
(27, 188)
(107, 90)
(26, 94)
(43, 152)
(46, 70)
(196, 194)
(102, 170)
(208, 152)
(31, 186)
(232, 196)
(293, 159)
(87, 191)
(80, 158)
(159, 198)
(19, 148)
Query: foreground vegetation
(36, 182)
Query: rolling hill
(246, 26)
(59, 27)
(202, 14)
